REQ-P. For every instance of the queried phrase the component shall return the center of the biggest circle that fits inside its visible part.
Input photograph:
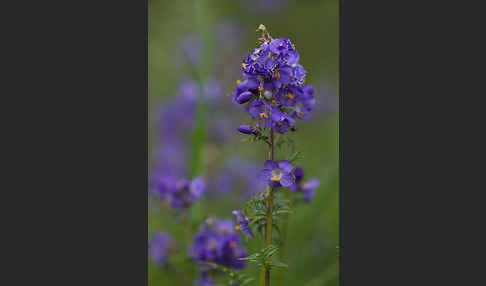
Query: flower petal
(287, 180)
(237, 213)
(252, 83)
(285, 166)
(270, 165)
(197, 187)
(264, 175)
(311, 184)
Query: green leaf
(240, 278)
(295, 156)
(278, 264)
(284, 108)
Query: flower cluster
(180, 193)
(308, 188)
(159, 247)
(273, 87)
(217, 242)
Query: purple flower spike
(242, 221)
(277, 174)
(159, 247)
(272, 74)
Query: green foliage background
(312, 25)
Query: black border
(77, 141)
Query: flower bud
(245, 129)
(298, 173)
(244, 97)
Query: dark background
(74, 106)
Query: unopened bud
(244, 97)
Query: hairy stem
(268, 230)
(269, 205)
(283, 238)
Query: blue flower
(277, 174)
(281, 121)
(262, 111)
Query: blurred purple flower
(327, 100)
(159, 247)
(240, 174)
(217, 242)
(228, 35)
(176, 118)
(191, 48)
(179, 193)
(307, 189)
(205, 279)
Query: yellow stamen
(301, 114)
(260, 88)
(279, 123)
(290, 96)
(269, 54)
(275, 179)
(263, 114)
(237, 227)
(233, 244)
(238, 81)
(274, 102)
(243, 65)
(276, 75)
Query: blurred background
(196, 48)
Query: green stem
(269, 205)
(188, 230)
(283, 237)
(268, 230)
